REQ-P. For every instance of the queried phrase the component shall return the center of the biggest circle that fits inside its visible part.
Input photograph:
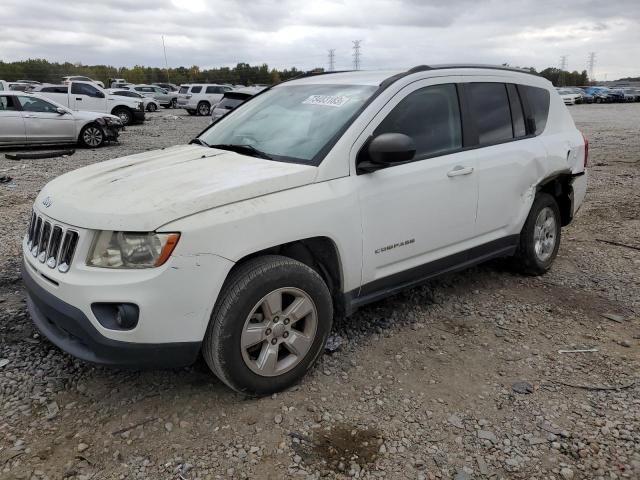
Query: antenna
(591, 63)
(356, 54)
(166, 65)
(332, 63)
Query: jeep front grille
(51, 243)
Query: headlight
(131, 249)
(112, 121)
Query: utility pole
(591, 63)
(332, 63)
(166, 65)
(356, 54)
(564, 64)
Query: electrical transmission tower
(356, 54)
(591, 63)
(564, 64)
(332, 57)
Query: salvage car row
(598, 94)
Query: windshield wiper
(197, 141)
(242, 148)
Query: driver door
(418, 217)
(11, 121)
(87, 97)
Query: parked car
(233, 99)
(163, 97)
(633, 93)
(28, 118)
(89, 97)
(569, 97)
(197, 99)
(586, 98)
(32, 82)
(318, 196)
(77, 78)
(150, 103)
(169, 87)
(604, 95)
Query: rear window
(489, 107)
(183, 89)
(537, 100)
(197, 89)
(62, 89)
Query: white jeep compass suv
(313, 198)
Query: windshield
(291, 122)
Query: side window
(197, 89)
(7, 103)
(489, 108)
(84, 89)
(431, 117)
(214, 90)
(517, 114)
(33, 104)
(537, 100)
(54, 89)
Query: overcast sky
(283, 33)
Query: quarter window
(196, 89)
(489, 107)
(214, 90)
(538, 102)
(431, 117)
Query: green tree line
(52, 72)
(243, 73)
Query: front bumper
(68, 328)
(138, 115)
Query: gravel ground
(462, 378)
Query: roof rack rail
(314, 73)
(421, 68)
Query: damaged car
(316, 197)
(30, 119)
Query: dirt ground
(463, 378)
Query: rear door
(509, 157)
(214, 94)
(12, 128)
(43, 123)
(87, 97)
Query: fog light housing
(116, 316)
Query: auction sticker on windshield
(326, 100)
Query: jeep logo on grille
(47, 202)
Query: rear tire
(91, 136)
(174, 103)
(269, 325)
(151, 107)
(204, 109)
(540, 236)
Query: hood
(142, 192)
(84, 115)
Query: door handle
(78, 99)
(459, 170)
(28, 116)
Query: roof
(377, 77)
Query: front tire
(126, 117)
(540, 236)
(91, 136)
(269, 326)
(151, 107)
(174, 103)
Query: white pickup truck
(89, 97)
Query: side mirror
(99, 94)
(386, 150)
(61, 111)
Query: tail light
(586, 150)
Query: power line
(332, 63)
(591, 63)
(356, 54)
(166, 65)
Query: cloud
(284, 33)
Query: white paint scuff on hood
(145, 191)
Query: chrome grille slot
(68, 249)
(52, 244)
(44, 241)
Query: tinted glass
(538, 102)
(229, 103)
(196, 89)
(54, 89)
(489, 107)
(6, 103)
(33, 104)
(84, 89)
(291, 122)
(431, 116)
(183, 90)
(517, 113)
